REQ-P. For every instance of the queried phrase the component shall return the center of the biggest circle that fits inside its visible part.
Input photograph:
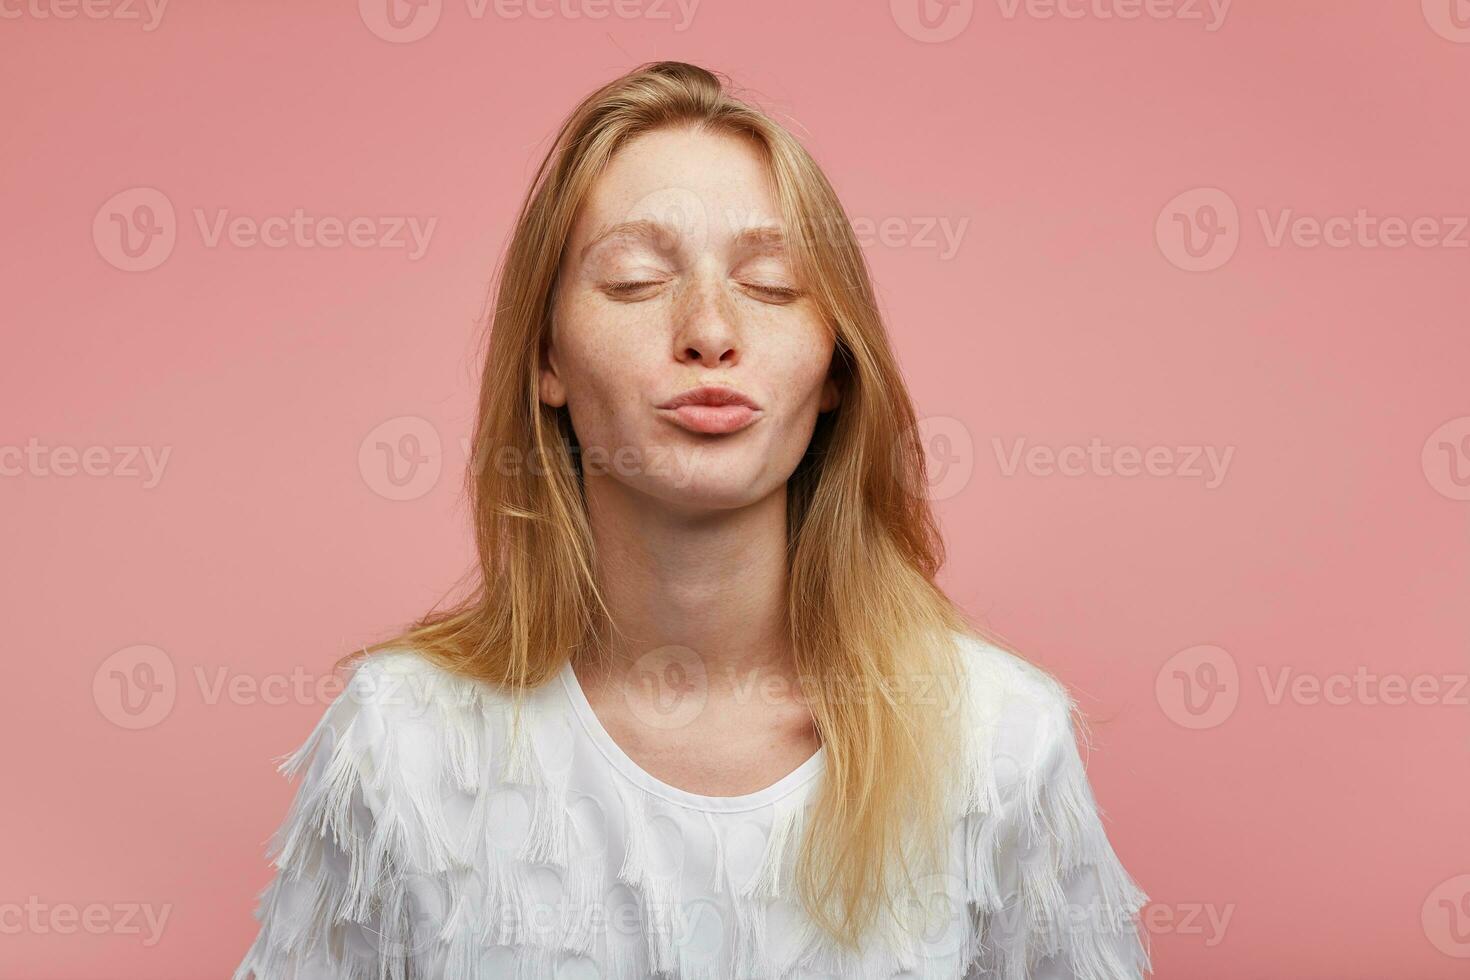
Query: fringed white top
(422, 843)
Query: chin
(703, 491)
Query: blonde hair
(864, 611)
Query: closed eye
(635, 289)
(630, 288)
(772, 294)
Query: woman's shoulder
(414, 743)
(1040, 854)
(999, 679)
(1021, 724)
(400, 685)
(402, 717)
(386, 781)
(396, 674)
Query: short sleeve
(329, 911)
(1054, 900)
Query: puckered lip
(710, 395)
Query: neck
(712, 582)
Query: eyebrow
(765, 238)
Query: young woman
(705, 713)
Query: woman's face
(675, 278)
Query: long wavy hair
(863, 548)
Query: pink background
(1327, 837)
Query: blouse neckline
(650, 783)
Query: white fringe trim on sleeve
(1049, 894)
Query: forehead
(700, 183)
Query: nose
(706, 329)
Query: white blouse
(422, 843)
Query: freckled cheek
(798, 366)
(610, 362)
(601, 329)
